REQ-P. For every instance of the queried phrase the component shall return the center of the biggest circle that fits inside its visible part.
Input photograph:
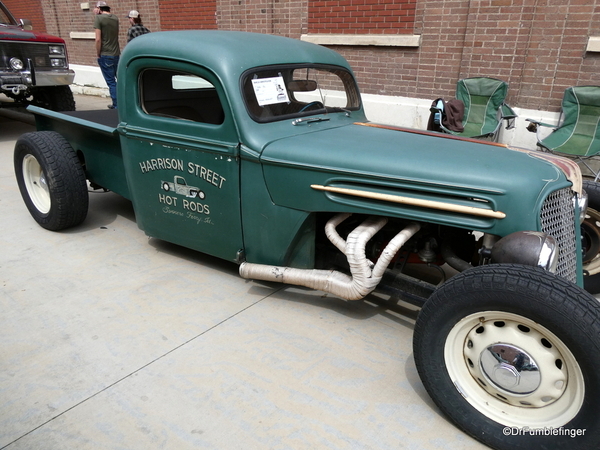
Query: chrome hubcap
(510, 373)
(510, 368)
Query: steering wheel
(311, 104)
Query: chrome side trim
(431, 204)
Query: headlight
(57, 62)
(56, 50)
(532, 248)
(16, 64)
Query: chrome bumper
(22, 81)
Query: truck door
(180, 148)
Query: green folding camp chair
(485, 109)
(577, 134)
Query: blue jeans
(108, 67)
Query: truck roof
(229, 53)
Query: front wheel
(510, 354)
(590, 233)
(51, 180)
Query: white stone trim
(593, 44)
(82, 35)
(390, 40)
(88, 81)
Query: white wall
(400, 111)
(414, 113)
(88, 81)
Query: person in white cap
(137, 28)
(108, 51)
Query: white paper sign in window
(270, 90)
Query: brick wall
(190, 14)
(537, 46)
(281, 17)
(246, 15)
(361, 16)
(31, 10)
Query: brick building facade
(399, 48)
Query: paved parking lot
(112, 340)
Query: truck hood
(15, 33)
(410, 163)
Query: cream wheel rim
(36, 184)
(537, 383)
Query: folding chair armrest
(437, 105)
(508, 114)
(446, 130)
(538, 123)
(535, 127)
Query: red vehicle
(34, 68)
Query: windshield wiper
(310, 120)
(338, 109)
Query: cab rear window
(180, 95)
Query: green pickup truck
(293, 183)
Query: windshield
(286, 92)
(5, 17)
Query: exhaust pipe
(365, 275)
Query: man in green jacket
(108, 51)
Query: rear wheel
(510, 354)
(51, 180)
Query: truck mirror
(302, 85)
(26, 24)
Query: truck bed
(106, 117)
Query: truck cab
(256, 149)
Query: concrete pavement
(112, 340)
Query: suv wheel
(56, 98)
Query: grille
(38, 53)
(558, 220)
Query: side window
(180, 95)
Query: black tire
(479, 314)
(51, 180)
(590, 232)
(56, 98)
